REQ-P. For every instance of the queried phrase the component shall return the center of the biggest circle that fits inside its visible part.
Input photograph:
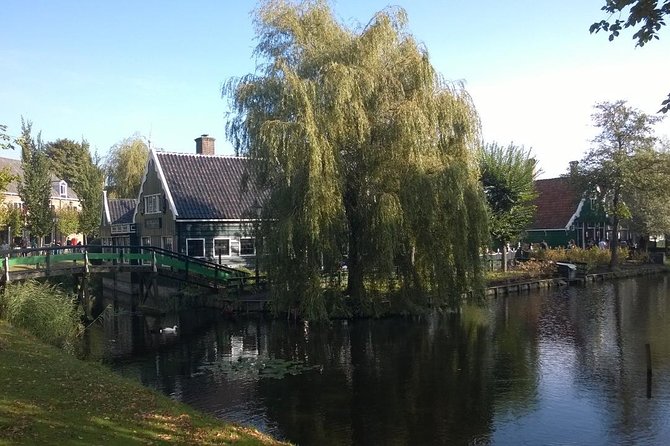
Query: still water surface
(550, 367)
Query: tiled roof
(208, 186)
(121, 210)
(556, 203)
(13, 187)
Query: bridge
(84, 261)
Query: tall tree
(615, 167)
(35, 188)
(508, 175)
(650, 206)
(646, 17)
(363, 147)
(125, 167)
(72, 161)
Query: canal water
(564, 366)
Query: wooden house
(117, 227)
(201, 204)
(564, 214)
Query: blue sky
(104, 71)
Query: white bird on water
(169, 330)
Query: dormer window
(63, 189)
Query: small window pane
(221, 247)
(247, 247)
(195, 247)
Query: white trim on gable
(576, 214)
(105, 201)
(161, 177)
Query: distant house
(564, 214)
(117, 227)
(62, 196)
(198, 204)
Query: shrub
(44, 310)
(593, 257)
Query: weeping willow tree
(366, 152)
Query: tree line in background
(83, 171)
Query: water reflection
(550, 367)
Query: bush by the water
(44, 310)
(593, 257)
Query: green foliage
(5, 140)
(508, 177)
(12, 217)
(67, 220)
(363, 146)
(44, 310)
(645, 16)
(35, 189)
(617, 166)
(125, 165)
(73, 162)
(593, 257)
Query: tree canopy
(366, 152)
(72, 161)
(508, 175)
(125, 165)
(646, 17)
(622, 163)
(35, 188)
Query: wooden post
(6, 265)
(504, 258)
(647, 348)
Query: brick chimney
(204, 145)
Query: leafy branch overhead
(646, 17)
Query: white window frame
(214, 254)
(171, 243)
(203, 247)
(152, 204)
(253, 239)
(62, 189)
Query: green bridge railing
(48, 261)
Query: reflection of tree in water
(611, 325)
(515, 354)
(385, 382)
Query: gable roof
(16, 168)
(557, 204)
(208, 187)
(121, 210)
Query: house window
(63, 189)
(146, 241)
(151, 204)
(195, 247)
(167, 243)
(247, 247)
(221, 247)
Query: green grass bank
(48, 397)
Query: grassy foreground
(49, 397)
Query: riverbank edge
(50, 397)
(557, 282)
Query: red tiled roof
(556, 203)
